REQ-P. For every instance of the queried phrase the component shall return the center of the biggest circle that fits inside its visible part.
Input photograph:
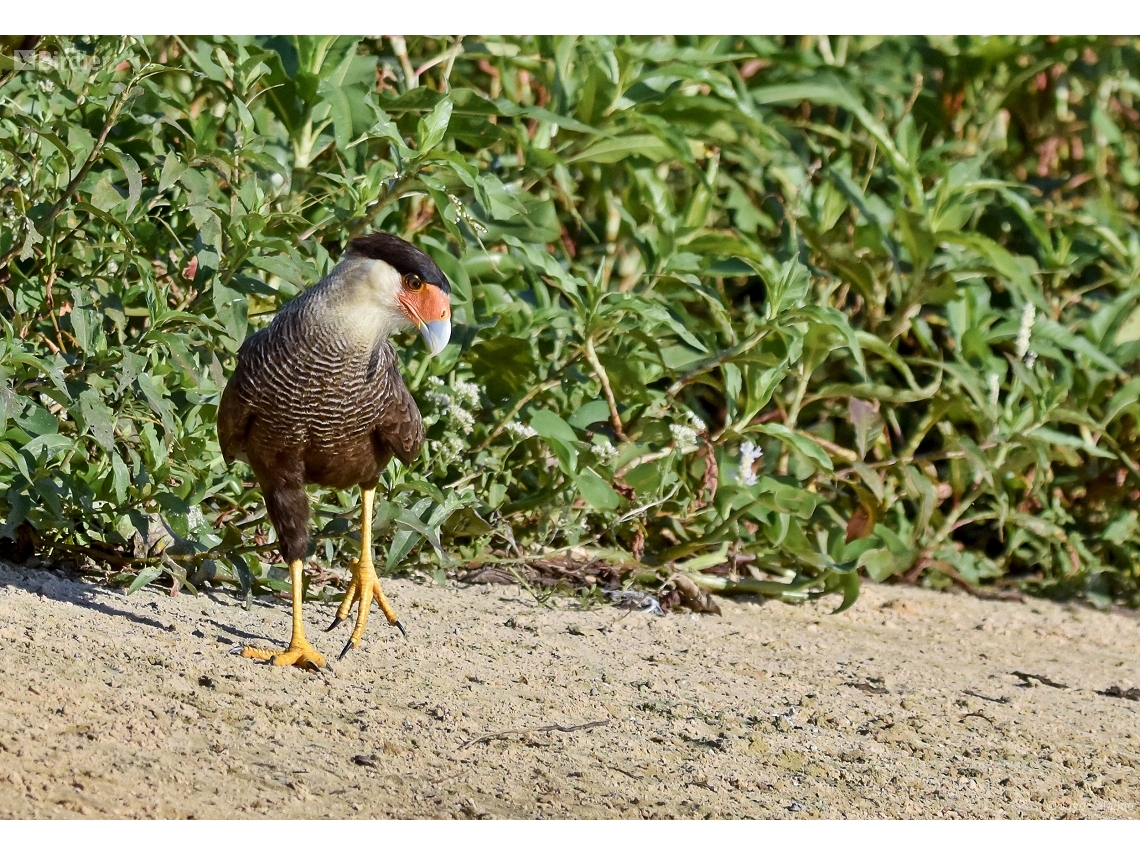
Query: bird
(317, 398)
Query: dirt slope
(906, 706)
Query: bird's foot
(299, 653)
(363, 589)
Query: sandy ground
(908, 705)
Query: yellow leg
(299, 652)
(364, 586)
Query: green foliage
(869, 304)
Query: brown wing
(399, 427)
(233, 424)
(234, 412)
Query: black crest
(401, 255)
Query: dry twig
(561, 728)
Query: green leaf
(131, 173)
(1056, 437)
(1053, 331)
(145, 577)
(98, 418)
(806, 446)
(880, 564)
(341, 112)
(589, 413)
(595, 490)
(615, 150)
(849, 584)
(434, 126)
(411, 531)
(551, 426)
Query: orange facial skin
(426, 304)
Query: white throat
(369, 308)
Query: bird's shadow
(56, 584)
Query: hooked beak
(437, 334)
(430, 302)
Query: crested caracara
(317, 397)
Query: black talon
(347, 647)
(400, 626)
(337, 621)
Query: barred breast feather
(309, 400)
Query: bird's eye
(413, 282)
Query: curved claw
(350, 646)
(363, 590)
(299, 653)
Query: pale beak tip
(436, 334)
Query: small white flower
(461, 213)
(698, 423)
(439, 399)
(995, 387)
(749, 454)
(520, 431)
(683, 436)
(467, 393)
(112, 267)
(434, 381)
(1030, 358)
(449, 449)
(1028, 316)
(463, 419)
(195, 519)
(604, 449)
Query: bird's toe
(299, 653)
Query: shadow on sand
(61, 586)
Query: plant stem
(600, 371)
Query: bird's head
(405, 286)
